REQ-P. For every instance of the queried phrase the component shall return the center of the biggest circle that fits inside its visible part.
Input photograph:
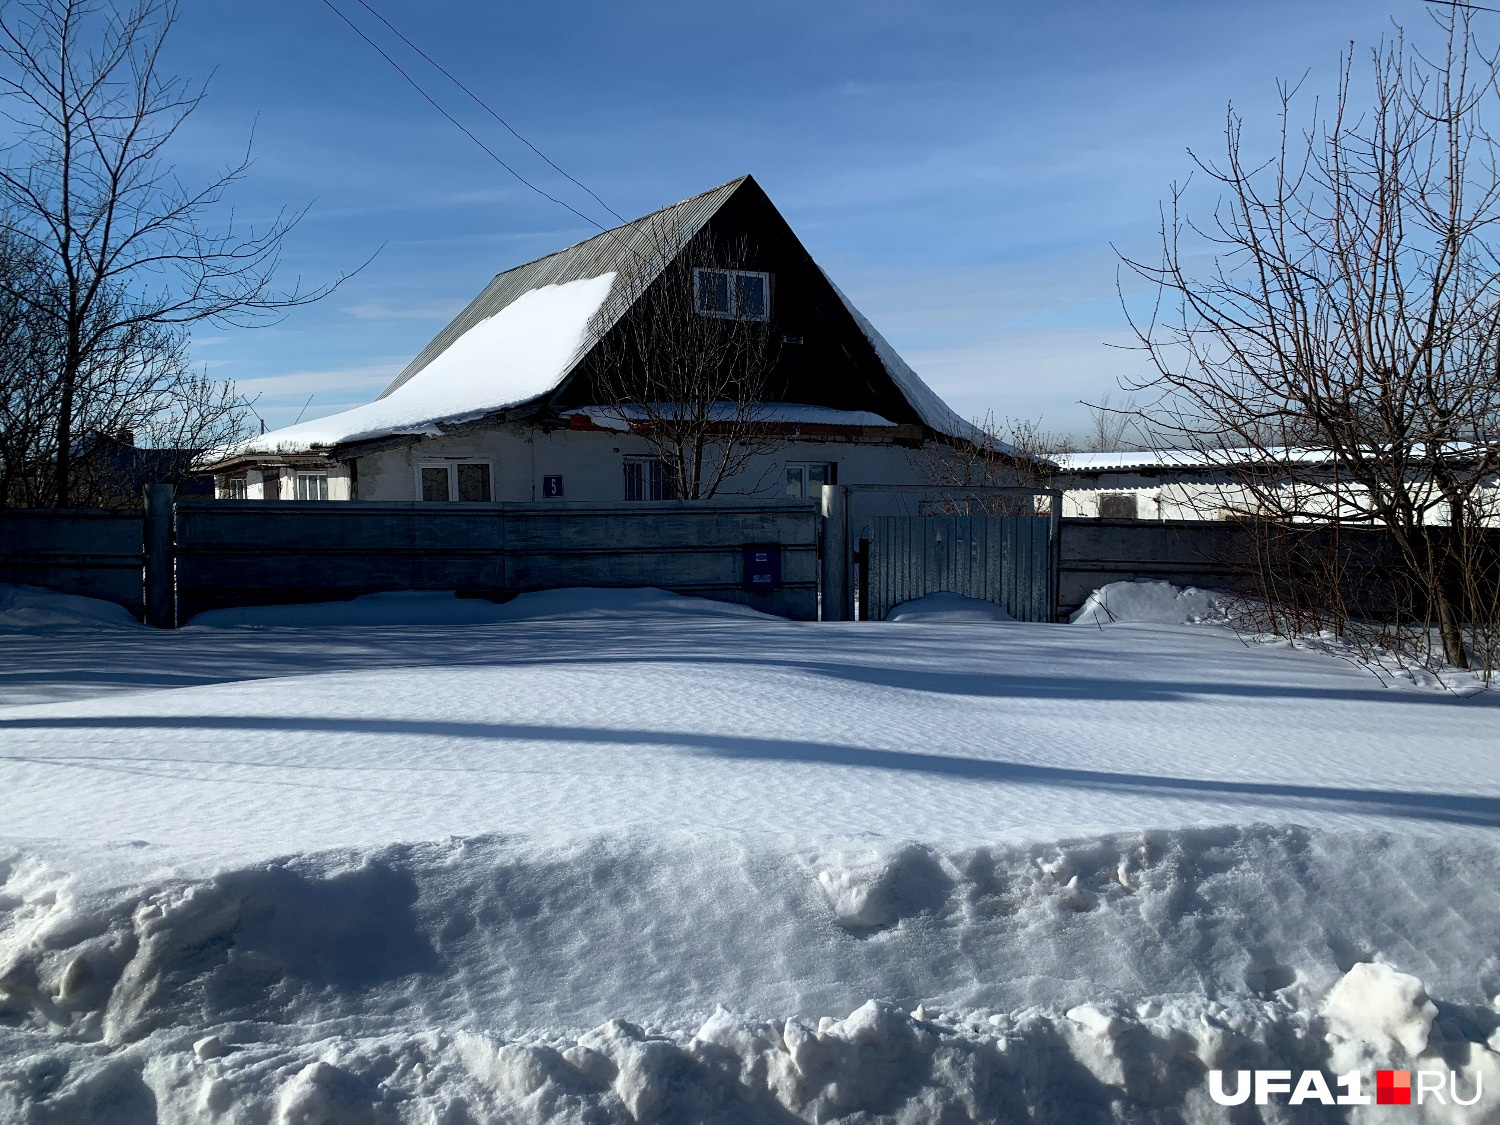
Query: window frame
(299, 475)
(831, 469)
(452, 469)
(1130, 499)
(663, 489)
(733, 312)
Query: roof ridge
(629, 223)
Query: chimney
(126, 437)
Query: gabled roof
(620, 251)
(530, 328)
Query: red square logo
(1393, 1087)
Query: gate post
(161, 607)
(836, 591)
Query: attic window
(732, 294)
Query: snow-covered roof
(1183, 459)
(518, 353)
(527, 332)
(924, 400)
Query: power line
(428, 98)
(1460, 4)
(485, 106)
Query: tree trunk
(62, 482)
(1451, 629)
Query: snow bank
(443, 608)
(633, 858)
(397, 608)
(704, 979)
(31, 609)
(942, 609)
(1153, 602)
(597, 603)
(1120, 1061)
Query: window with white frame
(732, 294)
(312, 486)
(1117, 506)
(647, 478)
(467, 481)
(807, 478)
(235, 488)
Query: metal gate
(1007, 560)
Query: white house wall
(591, 464)
(1158, 499)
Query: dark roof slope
(621, 250)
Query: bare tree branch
(86, 188)
(1350, 320)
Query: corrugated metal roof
(626, 251)
(1187, 459)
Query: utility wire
(455, 121)
(1460, 4)
(485, 106)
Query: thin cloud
(386, 310)
(371, 378)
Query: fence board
(1003, 559)
(235, 553)
(92, 553)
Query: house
(1188, 484)
(109, 470)
(1150, 484)
(118, 471)
(512, 400)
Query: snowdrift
(699, 979)
(621, 856)
(1152, 602)
(942, 609)
(31, 609)
(443, 608)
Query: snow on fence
(88, 552)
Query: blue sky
(960, 169)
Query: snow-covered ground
(622, 856)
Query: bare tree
(28, 362)
(132, 255)
(1345, 341)
(687, 364)
(1014, 453)
(1109, 426)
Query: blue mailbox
(763, 567)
